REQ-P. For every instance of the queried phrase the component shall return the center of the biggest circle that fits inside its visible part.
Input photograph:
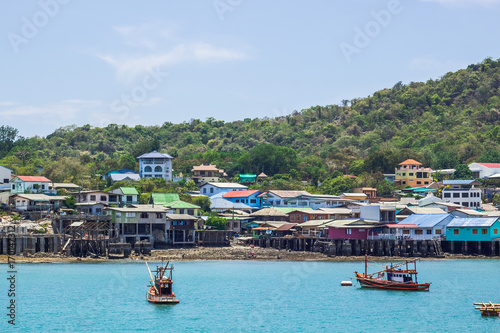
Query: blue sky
(128, 62)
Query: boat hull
(161, 299)
(370, 282)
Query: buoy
(346, 283)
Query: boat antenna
(366, 264)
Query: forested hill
(441, 123)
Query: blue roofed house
(473, 229)
(211, 188)
(419, 226)
(251, 198)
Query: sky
(66, 62)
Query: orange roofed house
(207, 173)
(411, 174)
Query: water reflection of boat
(402, 276)
(160, 290)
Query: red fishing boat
(402, 276)
(160, 290)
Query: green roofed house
(247, 178)
(123, 196)
(163, 198)
(182, 207)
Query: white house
(5, 175)
(485, 170)
(155, 165)
(210, 189)
(462, 192)
(31, 184)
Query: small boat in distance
(160, 290)
(488, 309)
(393, 277)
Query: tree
(203, 202)
(490, 156)
(496, 199)
(217, 222)
(70, 202)
(462, 171)
(8, 136)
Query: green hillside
(441, 123)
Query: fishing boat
(488, 309)
(402, 276)
(160, 289)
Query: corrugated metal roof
(155, 154)
(220, 203)
(182, 204)
(226, 185)
(34, 179)
(164, 198)
(426, 220)
(239, 194)
(343, 211)
(314, 223)
(267, 212)
(288, 194)
(129, 190)
(472, 222)
(460, 182)
(490, 165)
(180, 217)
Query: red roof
(491, 165)
(239, 194)
(34, 179)
(410, 162)
(402, 225)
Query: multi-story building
(207, 173)
(5, 175)
(485, 170)
(30, 184)
(210, 189)
(155, 165)
(411, 174)
(462, 192)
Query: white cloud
(486, 3)
(156, 46)
(431, 64)
(64, 110)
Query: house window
(204, 190)
(419, 182)
(43, 187)
(406, 232)
(304, 217)
(148, 169)
(270, 202)
(253, 201)
(455, 231)
(348, 231)
(5, 180)
(13, 187)
(465, 204)
(236, 225)
(158, 169)
(484, 231)
(456, 195)
(118, 214)
(429, 231)
(144, 215)
(129, 214)
(419, 232)
(159, 215)
(129, 198)
(103, 198)
(211, 190)
(447, 195)
(426, 183)
(437, 231)
(465, 195)
(404, 174)
(474, 231)
(495, 231)
(410, 173)
(174, 223)
(92, 198)
(404, 182)
(278, 202)
(237, 200)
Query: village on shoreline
(49, 222)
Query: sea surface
(249, 296)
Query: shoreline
(235, 252)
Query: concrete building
(205, 173)
(210, 189)
(30, 184)
(485, 170)
(5, 175)
(155, 165)
(462, 192)
(411, 173)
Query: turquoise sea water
(250, 296)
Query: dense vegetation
(441, 123)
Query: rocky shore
(233, 252)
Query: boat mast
(366, 264)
